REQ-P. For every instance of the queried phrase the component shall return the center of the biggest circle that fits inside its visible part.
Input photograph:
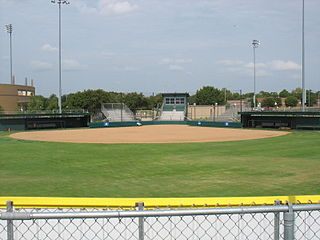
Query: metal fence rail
(259, 222)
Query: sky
(161, 45)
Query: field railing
(278, 221)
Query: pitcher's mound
(148, 134)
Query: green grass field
(286, 165)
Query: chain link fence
(257, 222)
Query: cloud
(108, 7)
(258, 65)
(41, 65)
(283, 65)
(249, 71)
(230, 62)
(72, 65)
(176, 68)
(48, 48)
(174, 64)
(262, 73)
(262, 69)
(175, 61)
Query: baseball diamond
(148, 134)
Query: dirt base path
(148, 134)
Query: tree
(90, 100)
(311, 98)
(135, 101)
(209, 96)
(297, 93)
(154, 101)
(192, 99)
(52, 102)
(284, 93)
(271, 102)
(1, 109)
(263, 94)
(234, 96)
(291, 101)
(37, 103)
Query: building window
(29, 93)
(179, 100)
(169, 100)
(22, 92)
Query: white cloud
(175, 61)
(72, 65)
(48, 48)
(262, 69)
(176, 68)
(283, 65)
(41, 65)
(258, 65)
(262, 73)
(249, 71)
(230, 62)
(108, 7)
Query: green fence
(190, 123)
(43, 121)
(13, 124)
(215, 124)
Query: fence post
(289, 223)
(140, 207)
(9, 222)
(277, 222)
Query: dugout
(293, 120)
(43, 121)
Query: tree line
(91, 100)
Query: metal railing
(278, 221)
(117, 112)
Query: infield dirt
(148, 134)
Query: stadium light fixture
(255, 44)
(60, 2)
(9, 30)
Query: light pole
(59, 2)
(9, 30)
(255, 44)
(304, 97)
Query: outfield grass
(286, 165)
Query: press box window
(22, 92)
(169, 100)
(180, 101)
